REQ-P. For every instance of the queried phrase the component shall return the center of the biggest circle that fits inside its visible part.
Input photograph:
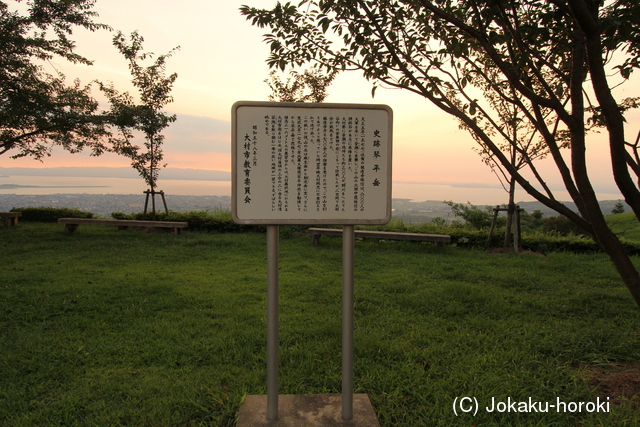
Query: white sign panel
(300, 163)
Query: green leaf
(325, 22)
(473, 108)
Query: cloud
(195, 134)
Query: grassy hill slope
(625, 225)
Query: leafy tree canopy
(39, 109)
(549, 63)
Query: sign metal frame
(377, 211)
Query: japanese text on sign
(306, 163)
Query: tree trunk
(620, 259)
(588, 51)
(153, 204)
(510, 213)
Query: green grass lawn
(110, 328)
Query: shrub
(476, 239)
(560, 225)
(473, 215)
(531, 221)
(438, 221)
(548, 242)
(44, 214)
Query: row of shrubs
(533, 240)
(221, 221)
(50, 214)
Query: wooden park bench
(71, 224)
(440, 239)
(10, 218)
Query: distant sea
(91, 185)
(461, 193)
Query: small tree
(510, 131)
(147, 117)
(618, 208)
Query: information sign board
(303, 163)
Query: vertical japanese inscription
(312, 164)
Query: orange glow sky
(222, 60)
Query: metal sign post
(348, 237)
(273, 238)
(299, 163)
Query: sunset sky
(222, 60)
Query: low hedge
(44, 214)
(221, 221)
(218, 221)
(198, 220)
(534, 241)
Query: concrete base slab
(312, 410)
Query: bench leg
(70, 228)
(7, 222)
(176, 231)
(315, 239)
